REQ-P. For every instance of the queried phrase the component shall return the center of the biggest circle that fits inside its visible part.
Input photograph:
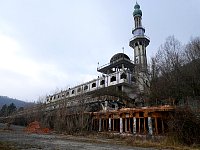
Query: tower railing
(98, 68)
(139, 36)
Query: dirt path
(23, 141)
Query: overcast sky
(54, 44)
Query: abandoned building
(117, 93)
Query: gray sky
(53, 44)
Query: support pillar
(163, 128)
(126, 124)
(113, 124)
(156, 123)
(150, 126)
(139, 125)
(134, 125)
(99, 124)
(144, 126)
(109, 124)
(121, 125)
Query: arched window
(102, 82)
(123, 76)
(72, 91)
(93, 85)
(113, 79)
(85, 87)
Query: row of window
(86, 87)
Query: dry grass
(147, 142)
(6, 146)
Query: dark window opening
(102, 82)
(67, 93)
(93, 85)
(119, 88)
(85, 87)
(141, 114)
(79, 90)
(123, 76)
(63, 95)
(113, 79)
(140, 43)
(133, 79)
(50, 98)
(72, 91)
(136, 44)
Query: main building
(123, 82)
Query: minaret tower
(139, 42)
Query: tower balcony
(137, 38)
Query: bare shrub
(185, 127)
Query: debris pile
(34, 127)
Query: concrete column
(121, 125)
(163, 128)
(134, 125)
(109, 124)
(99, 124)
(126, 125)
(150, 126)
(113, 124)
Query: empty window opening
(93, 85)
(123, 76)
(72, 91)
(113, 79)
(141, 114)
(119, 88)
(85, 87)
(102, 82)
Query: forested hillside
(18, 103)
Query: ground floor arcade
(145, 120)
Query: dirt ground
(18, 139)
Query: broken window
(102, 82)
(72, 91)
(93, 85)
(85, 87)
(113, 79)
(123, 76)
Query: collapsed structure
(115, 98)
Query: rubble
(34, 127)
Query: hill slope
(18, 103)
